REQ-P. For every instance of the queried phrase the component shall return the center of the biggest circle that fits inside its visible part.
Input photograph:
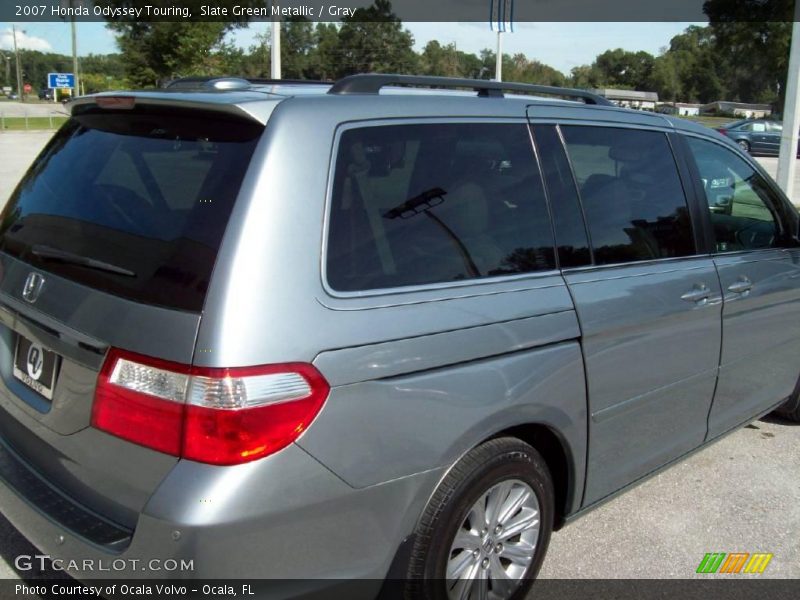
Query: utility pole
(275, 48)
(77, 89)
(498, 65)
(791, 113)
(19, 67)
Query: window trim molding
(640, 263)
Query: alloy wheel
(495, 543)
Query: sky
(560, 45)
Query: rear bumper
(285, 517)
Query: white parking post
(791, 115)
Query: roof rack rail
(267, 81)
(371, 83)
(216, 82)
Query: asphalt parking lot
(741, 494)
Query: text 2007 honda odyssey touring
(363, 331)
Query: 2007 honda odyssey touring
(360, 330)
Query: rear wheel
(486, 529)
(790, 410)
(744, 145)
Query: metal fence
(31, 121)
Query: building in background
(737, 109)
(630, 98)
(681, 109)
(685, 109)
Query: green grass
(33, 123)
(709, 121)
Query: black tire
(744, 145)
(790, 410)
(474, 474)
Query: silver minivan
(366, 330)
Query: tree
(297, 47)
(36, 65)
(692, 68)
(110, 65)
(519, 68)
(449, 61)
(623, 69)
(587, 77)
(158, 51)
(755, 36)
(665, 79)
(373, 40)
(322, 62)
(94, 82)
(440, 60)
(488, 62)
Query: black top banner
(506, 11)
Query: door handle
(699, 294)
(741, 286)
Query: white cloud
(24, 41)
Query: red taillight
(215, 416)
(723, 131)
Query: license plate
(35, 366)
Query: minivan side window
(632, 195)
(422, 204)
(740, 202)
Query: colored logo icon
(735, 562)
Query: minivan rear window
(133, 203)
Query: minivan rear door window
(632, 195)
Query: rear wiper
(48, 253)
(422, 204)
(417, 204)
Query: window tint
(570, 229)
(419, 204)
(631, 193)
(147, 193)
(740, 202)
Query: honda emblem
(33, 287)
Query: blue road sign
(61, 80)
